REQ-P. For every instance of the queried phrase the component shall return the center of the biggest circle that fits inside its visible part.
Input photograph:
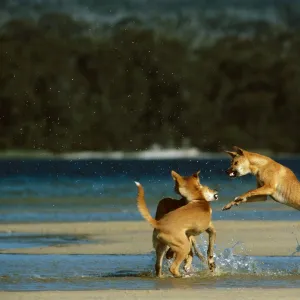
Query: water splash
(228, 263)
(297, 250)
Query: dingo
(273, 179)
(176, 227)
(166, 205)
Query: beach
(259, 238)
(226, 294)
(71, 230)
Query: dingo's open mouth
(231, 173)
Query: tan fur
(273, 179)
(176, 227)
(167, 205)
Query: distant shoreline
(152, 154)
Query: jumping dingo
(273, 179)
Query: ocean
(61, 190)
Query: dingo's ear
(196, 175)
(176, 176)
(238, 150)
(231, 153)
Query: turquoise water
(103, 190)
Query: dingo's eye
(235, 163)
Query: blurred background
(123, 75)
(102, 93)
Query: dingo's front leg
(251, 196)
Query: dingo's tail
(142, 207)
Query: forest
(128, 85)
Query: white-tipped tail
(142, 207)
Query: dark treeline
(64, 88)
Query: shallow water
(87, 272)
(79, 272)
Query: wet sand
(245, 294)
(260, 238)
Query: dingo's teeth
(137, 183)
